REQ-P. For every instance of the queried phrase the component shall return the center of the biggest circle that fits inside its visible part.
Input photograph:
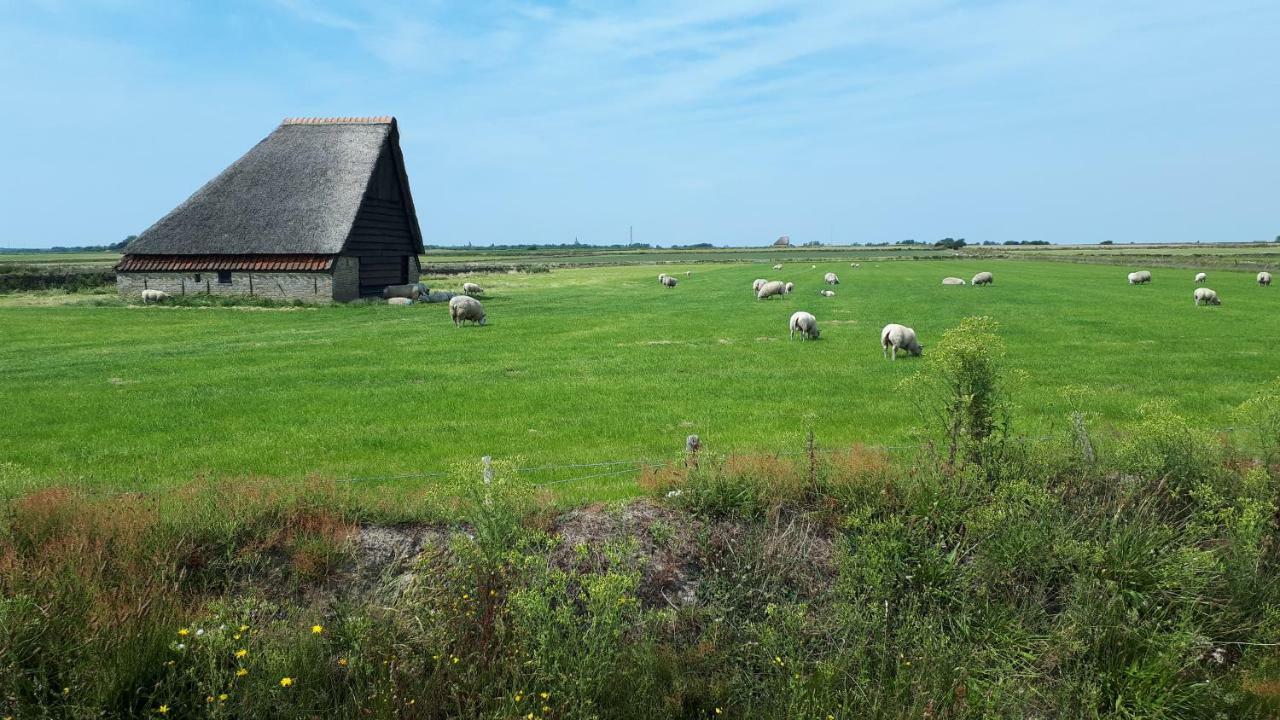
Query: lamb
(899, 337)
(668, 281)
(1264, 279)
(778, 266)
(831, 279)
(465, 307)
(952, 281)
(805, 324)
(983, 278)
(472, 289)
(769, 289)
(788, 288)
(399, 301)
(827, 293)
(1140, 277)
(1206, 296)
(1201, 277)
(154, 296)
(755, 286)
(402, 291)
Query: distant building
(320, 210)
(784, 241)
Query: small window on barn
(197, 277)
(224, 277)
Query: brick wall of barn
(308, 287)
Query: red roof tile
(252, 263)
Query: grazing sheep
(401, 291)
(813, 267)
(1264, 279)
(668, 281)
(472, 289)
(771, 288)
(778, 266)
(952, 281)
(897, 337)
(399, 301)
(154, 296)
(660, 276)
(831, 279)
(855, 265)
(788, 288)
(437, 296)
(827, 293)
(805, 324)
(1206, 296)
(1201, 277)
(755, 286)
(687, 273)
(1141, 277)
(983, 278)
(465, 307)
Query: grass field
(590, 365)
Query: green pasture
(591, 365)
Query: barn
(319, 210)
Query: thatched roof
(296, 192)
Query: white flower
(675, 493)
(182, 646)
(199, 633)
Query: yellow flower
(544, 695)
(241, 653)
(243, 628)
(546, 709)
(236, 636)
(241, 672)
(208, 698)
(719, 711)
(529, 716)
(183, 632)
(454, 659)
(66, 691)
(222, 697)
(519, 697)
(286, 682)
(342, 662)
(316, 629)
(163, 709)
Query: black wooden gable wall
(380, 235)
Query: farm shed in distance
(320, 210)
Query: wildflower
(171, 663)
(519, 697)
(241, 653)
(66, 691)
(719, 711)
(454, 659)
(546, 709)
(184, 632)
(182, 646)
(777, 661)
(222, 697)
(544, 695)
(286, 682)
(529, 716)
(316, 629)
(236, 636)
(342, 662)
(199, 633)
(243, 628)
(208, 698)
(163, 709)
(241, 672)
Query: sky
(684, 122)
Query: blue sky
(709, 121)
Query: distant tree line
(113, 247)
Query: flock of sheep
(462, 308)
(1203, 295)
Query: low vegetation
(1083, 573)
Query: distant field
(589, 365)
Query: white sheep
(1264, 279)
(827, 293)
(1205, 296)
(688, 273)
(472, 289)
(952, 281)
(755, 286)
(831, 279)
(805, 324)
(983, 278)
(897, 337)
(402, 291)
(855, 265)
(153, 296)
(771, 288)
(778, 266)
(437, 296)
(1141, 277)
(465, 307)
(1201, 277)
(660, 276)
(788, 288)
(399, 301)
(668, 281)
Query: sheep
(952, 281)
(438, 296)
(788, 288)
(771, 288)
(401, 291)
(899, 337)
(399, 301)
(855, 265)
(831, 279)
(688, 273)
(472, 289)
(1201, 277)
(983, 278)
(827, 293)
(778, 266)
(668, 281)
(660, 276)
(1140, 277)
(1264, 279)
(422, 289)
(465, 307)
(1206, 296)
(805, 324)
(755, 286)
(154, 296)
